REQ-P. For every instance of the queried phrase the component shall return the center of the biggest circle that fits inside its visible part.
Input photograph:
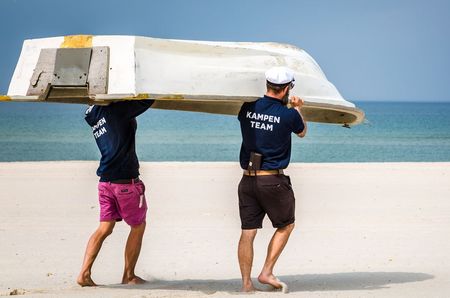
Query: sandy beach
(362, 230)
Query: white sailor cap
(280, 75)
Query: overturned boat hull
(199, 76)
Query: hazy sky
(371, 50)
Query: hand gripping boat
(199, 76)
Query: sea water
(393, 132)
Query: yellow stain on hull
(5, 98)
(77, 41)
(138, 97)
(173, 97)
(141, 96)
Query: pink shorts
(122, 201)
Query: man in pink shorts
(120, 191)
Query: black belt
(125, 181)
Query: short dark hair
(276, 88)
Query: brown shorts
(261, 195)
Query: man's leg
(245, 255)
(276, 246)
(132, 250)
(93, 247)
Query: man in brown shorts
(266, 126)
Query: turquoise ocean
(393, 132)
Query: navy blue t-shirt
(114, 129)
(266, 127)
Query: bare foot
(248, 289)
(273, 281)
(85, 280)
(134, 280)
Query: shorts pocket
(272, 186)
(140, 193)
(287, 182)
(128, 192)
(140, 188)
(270, 182)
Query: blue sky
(371, 50)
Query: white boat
(201, 76)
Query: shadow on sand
(297, 283)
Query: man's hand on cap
(296, 101)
